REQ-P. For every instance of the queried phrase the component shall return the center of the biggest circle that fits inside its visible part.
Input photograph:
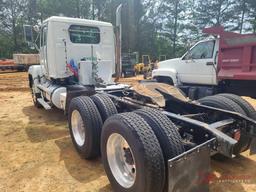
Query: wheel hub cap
(121, 160)
(78, 128)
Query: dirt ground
(36, 153)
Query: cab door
(198, 64)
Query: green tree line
(153, 27)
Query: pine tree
(12, 14)
(173, 13)
(252, 15)
(215, 13)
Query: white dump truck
(222, 63)
(150, 137)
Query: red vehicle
(6, 62)
(224, 63)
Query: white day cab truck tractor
(224, 63)
(150, 137)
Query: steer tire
(145, 148)
(91, 124)
(105, 106)
(36, 103)
(245, 105)
(222, 102)
(165, 131)
(35, 96)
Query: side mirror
(28, 33)
(36, 28)
(29, 36)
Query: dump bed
(236, 56)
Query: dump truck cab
(195, 66)
(224, 62)
(201, 56)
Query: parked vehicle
(20, 62)
(4, 61)
(225, 63)
(150, 137)
(128, 64)
(145, 65)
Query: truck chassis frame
(202, 127)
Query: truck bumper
(190, 171)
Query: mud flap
(190, 171)
(76, 91)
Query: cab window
(84, 34)
(203, 50)
(43, 36)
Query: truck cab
(64, 39)
(72, 51)
(196, 66)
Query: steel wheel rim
(123, 171)
(78, 128)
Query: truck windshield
(84, 34)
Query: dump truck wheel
(165, 131)
(131, 154)
(105, 106)
(85, 126)
(227, 104)
(246, 106)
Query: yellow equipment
(144, 65)
(147, 65)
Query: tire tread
(245, 105)
(165, 130)
(105, 106)
(222, 102)
(91, 117)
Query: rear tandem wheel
(105, 106)
(225, 103)
(246, 106)
(85, 126)
(131, 154)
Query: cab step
(44, 104)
